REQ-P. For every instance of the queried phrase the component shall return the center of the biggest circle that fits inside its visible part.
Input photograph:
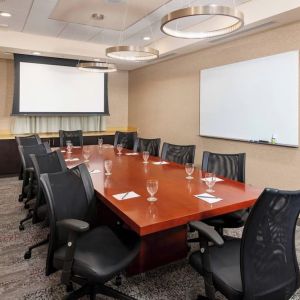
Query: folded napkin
(72, 159)
(95, 171)
(127, 195)
(160, 163)
(132, 153)
(208, 198)
(209, 178)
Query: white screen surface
(46, 88)
(252, 100)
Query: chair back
(75, 136)
(269, 266)
(127, 139)
(25, 152)
(180, 154)
(231, 166)
(150, 145)
(69, 195)
(28, 140)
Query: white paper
(132, 153)
(127, 195)
(62, 151)
(95, 171)
(160, 163)
(72, 159)
(208, 198)
(76, 147)
(209, 178)
(107, 146)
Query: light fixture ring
(207, 10)
(100, 67)
(138, 53)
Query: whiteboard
(252, 100)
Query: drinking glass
(108, 167)
(119, 148)
(69, 146)
(189, 169)
(210, 180)
(86, 153)
(152, 187)
(100, 142)
(145, 157)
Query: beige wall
(117, 93)
(164, 102)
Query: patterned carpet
(25, 279)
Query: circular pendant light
(99, 67)
(132, 53)
(208, 10)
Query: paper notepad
(209, 178)
(76, 147)
(208, 198)
(125, 196)
(95, 171)
(132, 153)
(160, 163)
(62, 151)
(107, 146)
(72, 159)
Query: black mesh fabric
(74, 136)
(231, 166)
(150, 145)
(25, 152)
(127, 139)
(29, 140)
(180, 154)
(269, 265)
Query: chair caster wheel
(26, 206)
(27, 255)
(20, 198)
(70, 288)
(21, 227)
(118, 280)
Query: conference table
(162, 225)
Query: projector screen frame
(18, 58)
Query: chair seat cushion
(101, 253)
(225, 267)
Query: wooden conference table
(161, 224)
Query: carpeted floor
(25, 279)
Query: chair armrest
(74, 225)
(208, 232)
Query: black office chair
(150, 145)
(74, 136)
(89, 257)
(263, 264)
(29, 187)
(180, 154)
(28, 140)
(52, 162)
(127, 139)
(231, 166)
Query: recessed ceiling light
(36, 53)
(146, 38)
(3, 25)
(5, 14)
(97, 17)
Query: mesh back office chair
(127, 139)
(150, 145)
(180, 154)
(29, 140)
(263, 264)
(52, 162)
(29, 187)
(89, 257)
(74, 136)
(231, 166)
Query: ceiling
(65, 28)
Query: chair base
(27, 254)
(28, 217)
(92, 290)
(200, 297)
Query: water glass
(119, 148)
(152, 187)
(108, 167)
(189, 169)
(100, 142)
(210, 180)
(69, 146)
(145, 156)
(86, 153)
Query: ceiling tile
(79, 32)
